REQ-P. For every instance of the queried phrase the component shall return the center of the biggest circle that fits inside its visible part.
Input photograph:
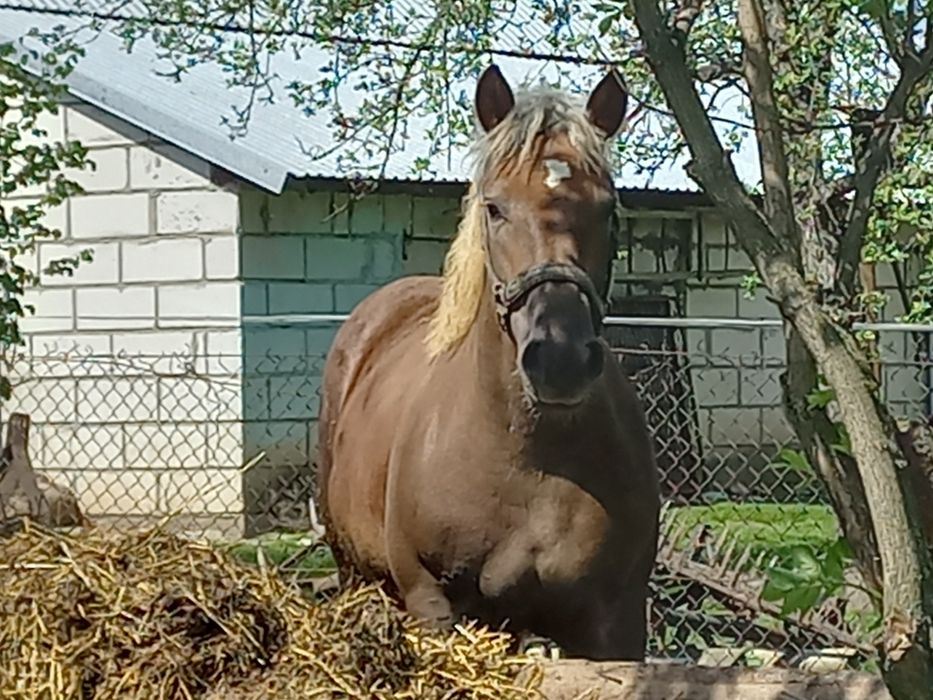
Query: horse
(481, 453)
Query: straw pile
(149, 615)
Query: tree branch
(890, 36)
(711, 166)
(685, 15)
(756, 66)
(868, 170)
(908, 42)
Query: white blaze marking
(557, 172)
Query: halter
(511, 296)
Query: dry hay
(146, 614)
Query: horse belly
(367, 427)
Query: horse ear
(494, 99)
(606, 106)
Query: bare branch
(889, 33)
(757, 68)
(717, 70)
(686, 14)
(868, 170)
(928, 37)
(711, 166)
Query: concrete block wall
(736, 378)
(308, 252)
(149, 424)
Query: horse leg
(627, 635)
(426, 601)
(608, 630)
(421, 593)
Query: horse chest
(558, 539)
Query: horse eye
(494, 212)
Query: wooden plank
(585, 680)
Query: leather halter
(510, 296)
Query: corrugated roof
(190, 113)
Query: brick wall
(131, 435)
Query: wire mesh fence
(223, 447)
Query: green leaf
(876, 9)
(806, 566)
(795, 459)
(820, 398)
(772, 592)
(782, 579)
(844, 446)
(605, 24)
(801, 599)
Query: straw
(147, 614)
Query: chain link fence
(223, 447)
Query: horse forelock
(539, 114)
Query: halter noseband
(510, 296)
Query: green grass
(297, 550)
(770, 528)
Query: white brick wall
(114, 308)
(110, 215)
(166, 256)
(197, 212)
(165, 168)
(169, 260)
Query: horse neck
(492, 358)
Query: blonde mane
(537, 116)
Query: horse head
(548, 206)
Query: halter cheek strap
(510, 296)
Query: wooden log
(574, 679)
(23, 493)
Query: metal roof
(190, 113)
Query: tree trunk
(905, 562)
(837, 472)
(906, 575)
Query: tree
(838, 96)
(787, 66)
(33, 173)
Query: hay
(146, 614)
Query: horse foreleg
(427, 602)
(421, 593)
(609, 630)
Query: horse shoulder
(378, 322)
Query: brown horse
(480, 450)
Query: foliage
(297, 554)
(807, 577)
(386, 71)
(33, 172)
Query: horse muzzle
(559, 354)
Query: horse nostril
(531, 358)
(594, 359)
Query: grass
(770, 528)
(297, 553)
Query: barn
(178, 372)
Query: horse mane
(538, 115)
